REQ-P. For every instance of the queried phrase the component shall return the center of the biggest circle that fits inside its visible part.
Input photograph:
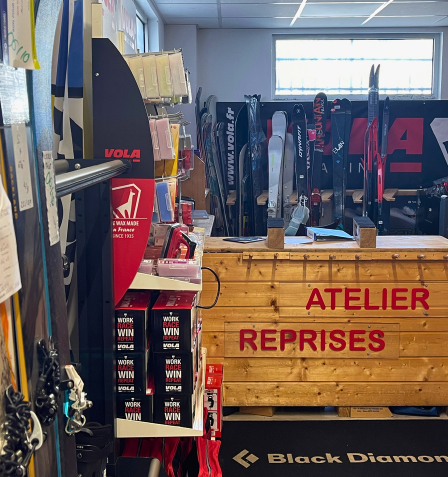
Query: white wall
(185, 37)
(234, 62)
(154, 22)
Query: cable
(217, 294)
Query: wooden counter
(323, 324)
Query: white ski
(279, 125)
(275, 154)
(288, 177)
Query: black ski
(381, 164)
(257, 148)
(320, 122)
(299, 133)
(241, 137)
(339, 152)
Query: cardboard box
(130, 373)
(174, 322)
(131, 322)
(370, 412)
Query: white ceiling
(316, 14)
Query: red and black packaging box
(139, 406)
(135, 408)
(174, 410)
(174, 322)
(174, 373)
(131, 322)
(130, 369)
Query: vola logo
(245, 461)
(129, 202)
(123, 154)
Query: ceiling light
(299, 12)
(378, 10)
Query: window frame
(437, 64)
(144, 20)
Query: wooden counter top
(295, 244)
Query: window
(141, 35)
(305, 66)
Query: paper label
(50, 194)
(10, 281)
(22, 163)
(21, 41)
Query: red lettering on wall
(406, 134)
(341, 341)
(396, 298)
(349, 298)
(354, 340)
(287, 336)
(322, 340)
(265, 339)
(373, 337)
(367, 304)
(248, 339)
(422, 299)
(384, 300)
(332, 292)
(315, 299)
(310, 340)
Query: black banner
(417, 146)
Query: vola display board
(417, 152)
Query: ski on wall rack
(320, 122)
(381, 164)
(257, 149)
(288, 178)
(276, 154)
(241, 137)
(299, 133)
(372, 113)
(340, 133)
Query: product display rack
(120, 121)
(143, 281)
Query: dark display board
(417, 147)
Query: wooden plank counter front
(330, 324)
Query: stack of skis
(303, 152)
(211, 143)
(294, 160)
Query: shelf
(138, 429)
(143, 281)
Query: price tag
(50, 194)
(22, 163)
(10, 281)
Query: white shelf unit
(138, 429)
(144, 281)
